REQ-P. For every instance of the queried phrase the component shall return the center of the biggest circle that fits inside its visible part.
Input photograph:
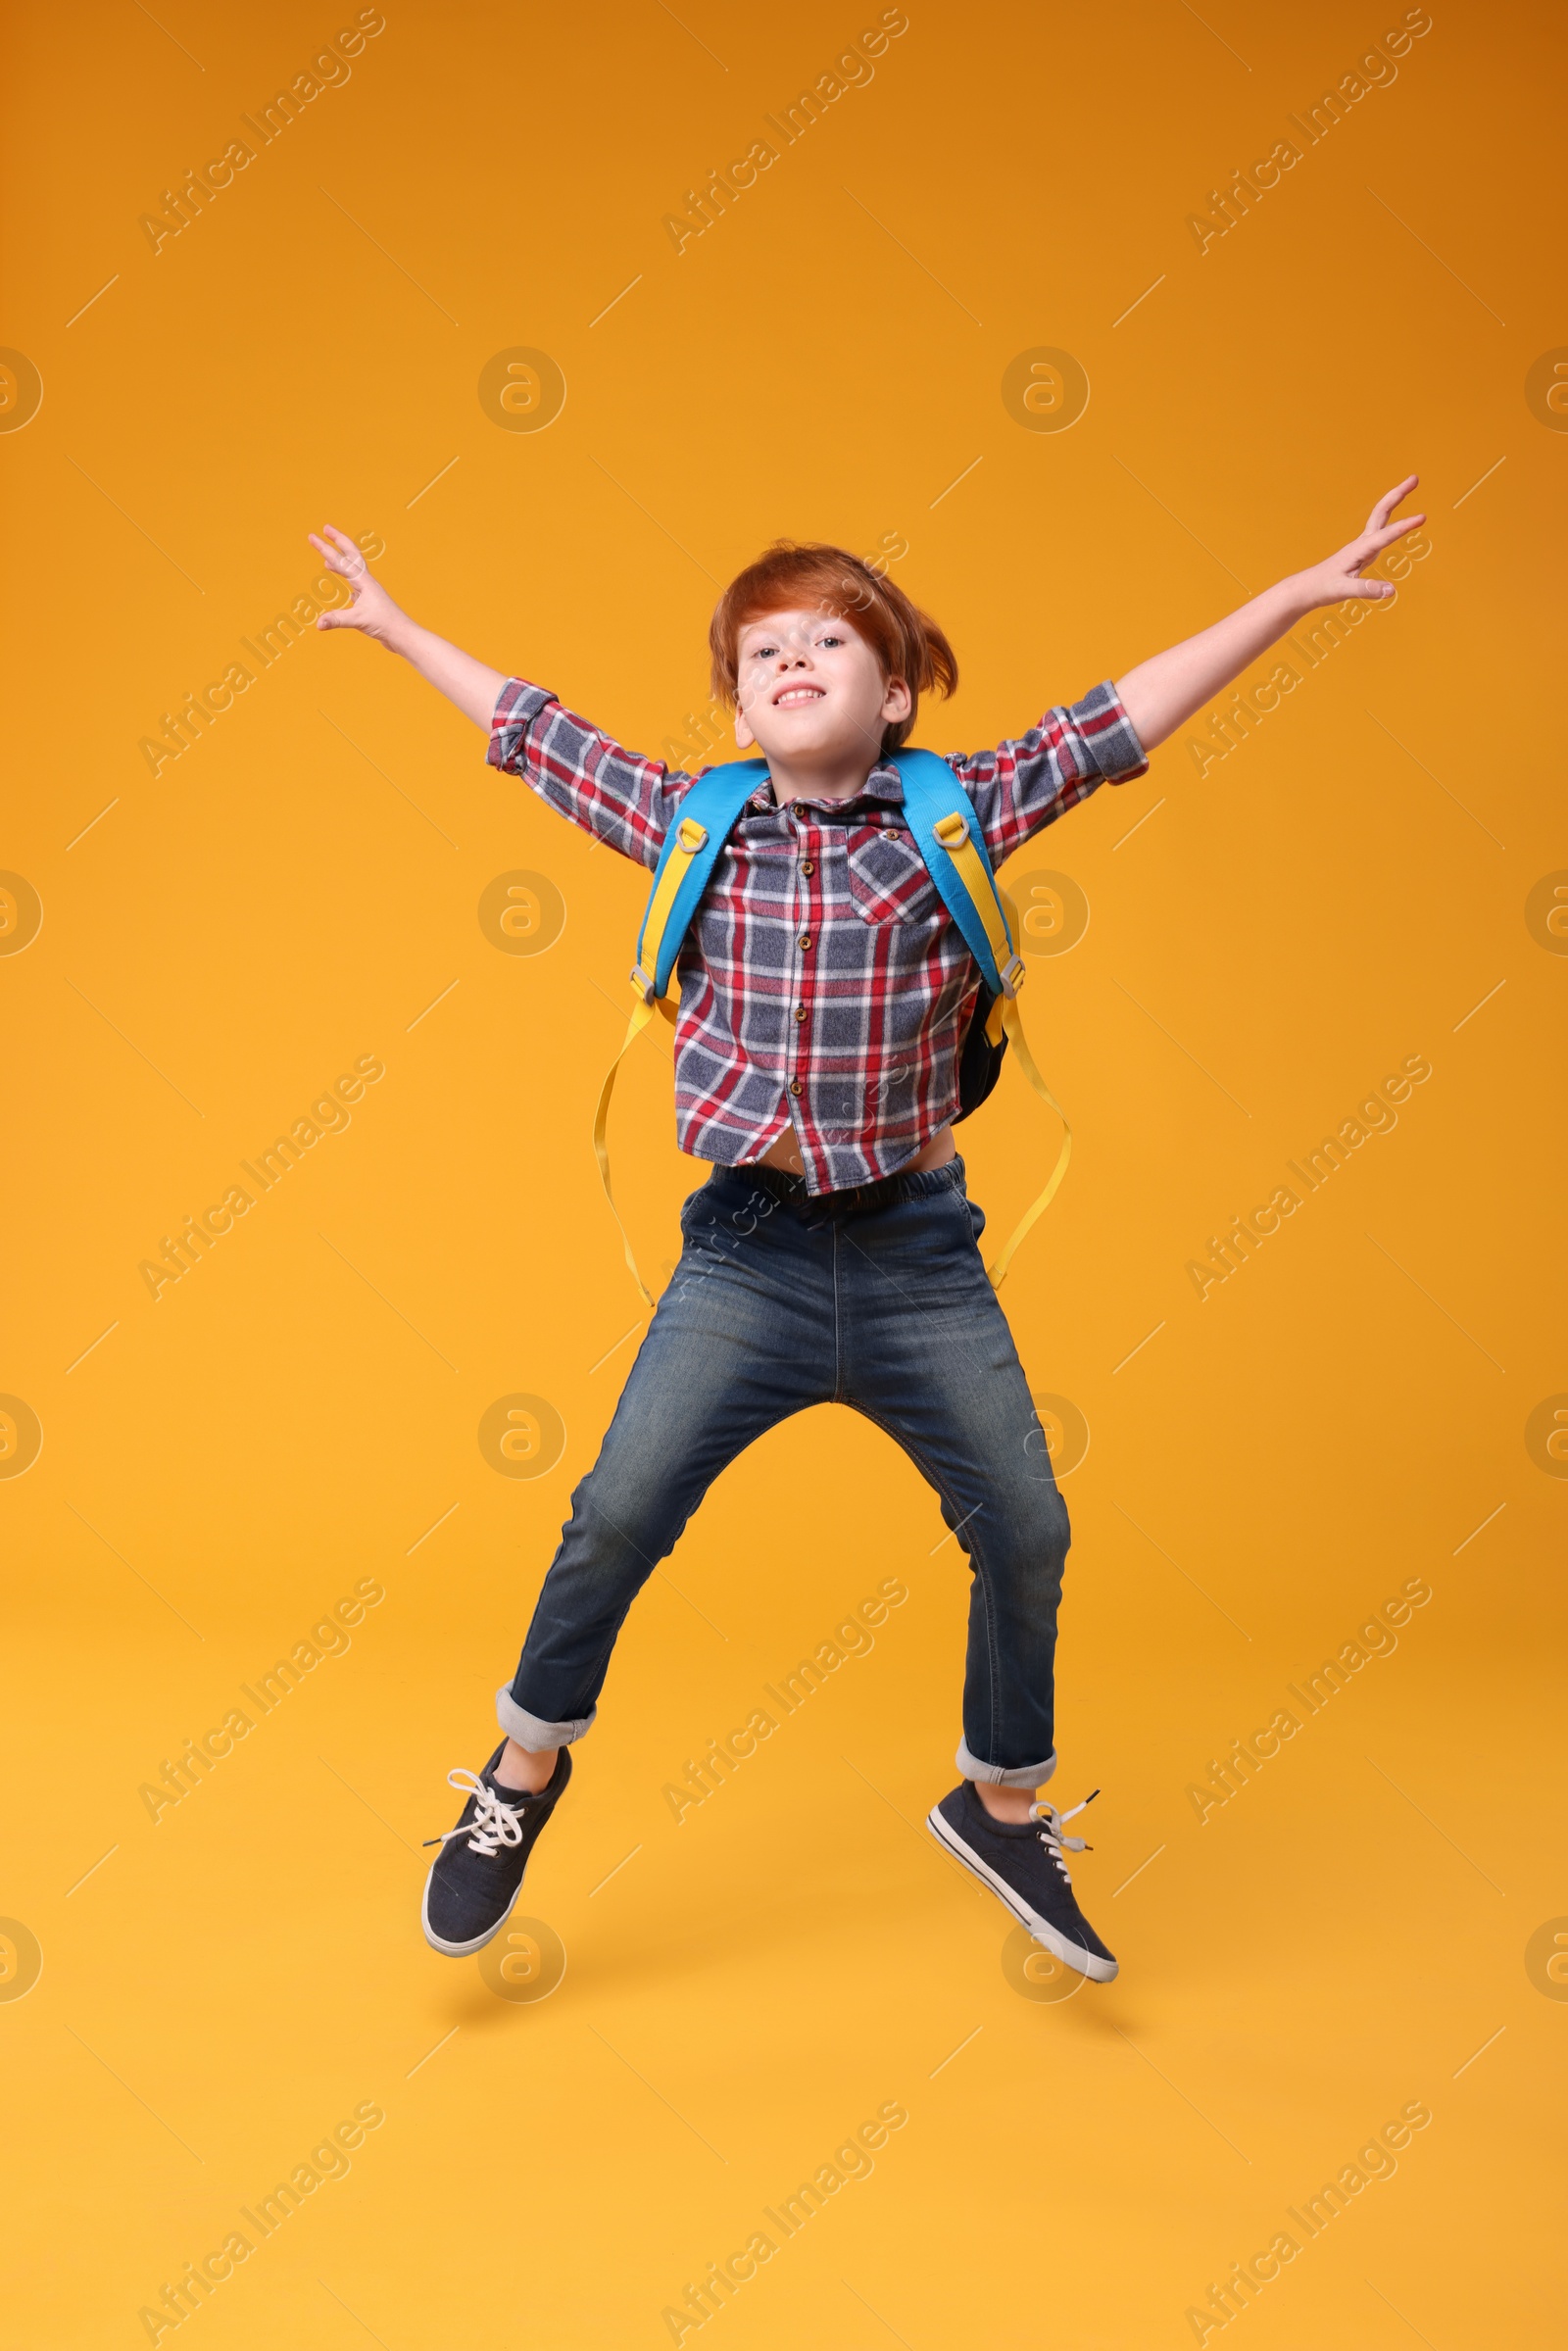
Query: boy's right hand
(371, 608)
(474, 687)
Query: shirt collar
(884, 783)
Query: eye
(831, 640)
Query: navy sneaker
(478, 1874)
(1023, 1863)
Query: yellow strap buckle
(951, 831)
(642, 983)
(692, 836)
(1012, 976)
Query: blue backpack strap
(691, 850)
(686, 860)
(940, 816)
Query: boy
(832, 1253)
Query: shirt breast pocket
(888, 878)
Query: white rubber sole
(1071, 1954)
(463, 1950)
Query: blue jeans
(779, 1301)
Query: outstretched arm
(470, 684)
(1161, 693)
(584, 776)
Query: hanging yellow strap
(641, 1013)
(690, 837)
(1012, 1027)
(955, 833)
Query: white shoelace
(494, 1824)
(1051, 1835)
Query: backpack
(940, 816)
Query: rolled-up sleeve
(623, 799)
(1024, 785)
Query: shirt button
(799, 1011)
(806, 939)
(808, 865)
(796, 1087)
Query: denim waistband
(859, 1199)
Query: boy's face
(809, 687)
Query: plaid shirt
(823, 984)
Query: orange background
(301, 1414)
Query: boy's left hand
(1159, 694)
(1343, 575)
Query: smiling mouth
(797, 694)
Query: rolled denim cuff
(530, 1731)
(1026, 1775)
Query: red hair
(791, 577)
